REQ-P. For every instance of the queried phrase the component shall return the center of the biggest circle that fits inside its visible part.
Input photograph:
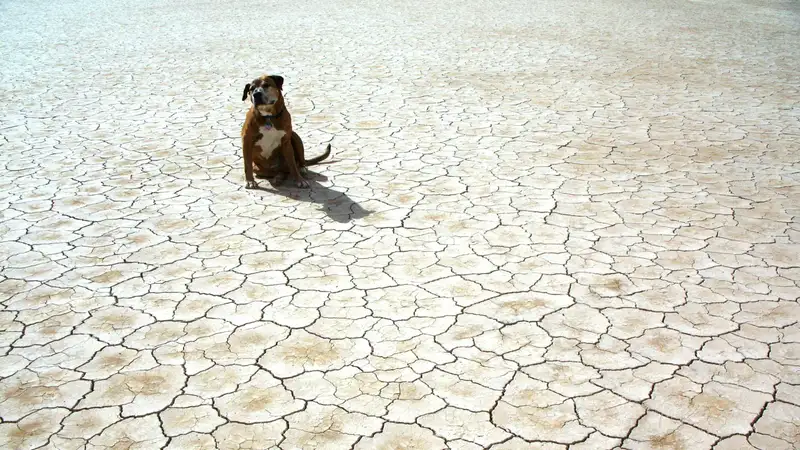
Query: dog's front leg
(247, 150)
(288, 155)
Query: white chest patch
(270, 140)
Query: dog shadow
(336, 205)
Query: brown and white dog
(268, 140)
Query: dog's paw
(301, 183)
(251, 185)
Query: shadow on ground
(336, 204)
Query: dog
(268, 141)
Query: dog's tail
(320, 158)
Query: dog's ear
(246, 90)
(278, 81)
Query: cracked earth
(547, 226)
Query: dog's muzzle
(260, 97)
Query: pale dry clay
(550, 225)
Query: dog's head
(265, 94)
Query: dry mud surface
(549, 225)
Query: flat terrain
(547, 225)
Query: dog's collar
(275, 116)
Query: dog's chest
(270, 139)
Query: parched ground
(548, 225)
